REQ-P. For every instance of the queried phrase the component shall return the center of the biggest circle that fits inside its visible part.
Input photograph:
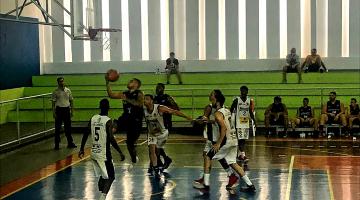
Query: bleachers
(193, 95)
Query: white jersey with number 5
(99, 137)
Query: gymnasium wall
(19, 53)
(240, 35)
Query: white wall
(184, 33)
(190, 65)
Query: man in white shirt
(63, 109)
(292, 65)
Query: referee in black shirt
(131, 119)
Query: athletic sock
(102, 196)
(229, 171)
(206, 179)
(246, 179)
(201, 174)
(242, 154)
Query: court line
(288, 188)
(331, 191)
(173, 186)
(43, 173)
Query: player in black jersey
(100, 128)
(305, 116)
(131, 119)
(332, 112)
(353, 115)
(276, 114)
(168, 101)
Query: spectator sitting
(292, 65)
(276, 114)
(305, 116)
(332, 112)
(172, 67)
(313, 63)
(353, 115)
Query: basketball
(112, 75)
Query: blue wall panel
(19, 53)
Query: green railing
(192, 100)
(19, 132)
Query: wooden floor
(281, 168)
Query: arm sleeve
(53, 96)
(70, 96)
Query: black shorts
(356, 121)
(280, 121)
(290, 69)
(129, 124)
(331, 120)
(314, 68)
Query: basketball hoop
(105, 40)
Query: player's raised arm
(111, 94)
(164, 109)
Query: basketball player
(101, 133)
(225, 146)
(305, 116)
(332, 112)
(131, 119)
(157, 132)
(172, 67)
(354, 114)
(210, 134)
(242, 111)
(276, 114)
(168, 101)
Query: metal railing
(18, 132)
(194, 94)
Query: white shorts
(101, 169)
(227, 152)
(242, 133)
(208, 146)
(159, 141)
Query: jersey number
(97, 130)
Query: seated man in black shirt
(354, 114)
(332, 112)
(172, 67)
(276, 114)
(305, 116)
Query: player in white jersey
(242, 113)
(101, 129)
(211, 131)
(225, 147)
(157, 133)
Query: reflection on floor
(279, 168)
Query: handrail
(189, 89)
(23, 98)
